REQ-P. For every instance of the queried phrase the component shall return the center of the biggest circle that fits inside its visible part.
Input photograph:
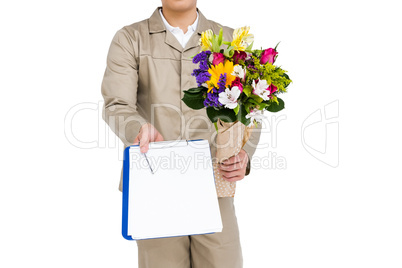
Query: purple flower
(212, 100)
(196, 72)
(201, 76)
(202, 59)
(203, 55)
(251, 68)
(222, 83)
(204, 65)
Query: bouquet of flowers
(236, 85)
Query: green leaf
(216, 126)
(227, 51)
(226, 115)
(215, 45)
(247, 106)
(194, 90)
(241, 116)
(258, 99)
(236, 110)
(247, 90)
(274, 107)
(262, 105)
(194, 100)
(276, 46)
(254, 102)
(249, 49)
(231, 53)
(220, 38)
(227, 43)
(287, 77)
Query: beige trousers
(217, 250)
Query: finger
(233, 178)
(230, 168)
(153, 133)
(159, 137)
(144, 148)
(241, 158)
(232, 160)
(136, 140)
(233, 174)
(246, 157)
(234, 166)
(230, 174)
(237, 178)
(144, 143)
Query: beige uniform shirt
(147, 71)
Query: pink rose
(268, 55)
(239, 55)
(218, 58)
(237, 83)
(272, 89)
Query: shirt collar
(156, 24)
(169, 27)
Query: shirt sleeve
(251, 146)
(119, 88)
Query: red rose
(239, 55)
(237, 83)
(272, 89)
(268, 55)
(218, 58)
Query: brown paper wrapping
(230, 140)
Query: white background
(60, 206)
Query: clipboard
(159, 201)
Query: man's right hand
(148, 133)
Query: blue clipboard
(126, 172)
(125, 192)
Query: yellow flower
(241, 38)
(216, 72)
(205, 40)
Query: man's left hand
(234, 168)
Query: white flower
(239, 72)
(255, 115)
(260, 89)
(229, 97)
